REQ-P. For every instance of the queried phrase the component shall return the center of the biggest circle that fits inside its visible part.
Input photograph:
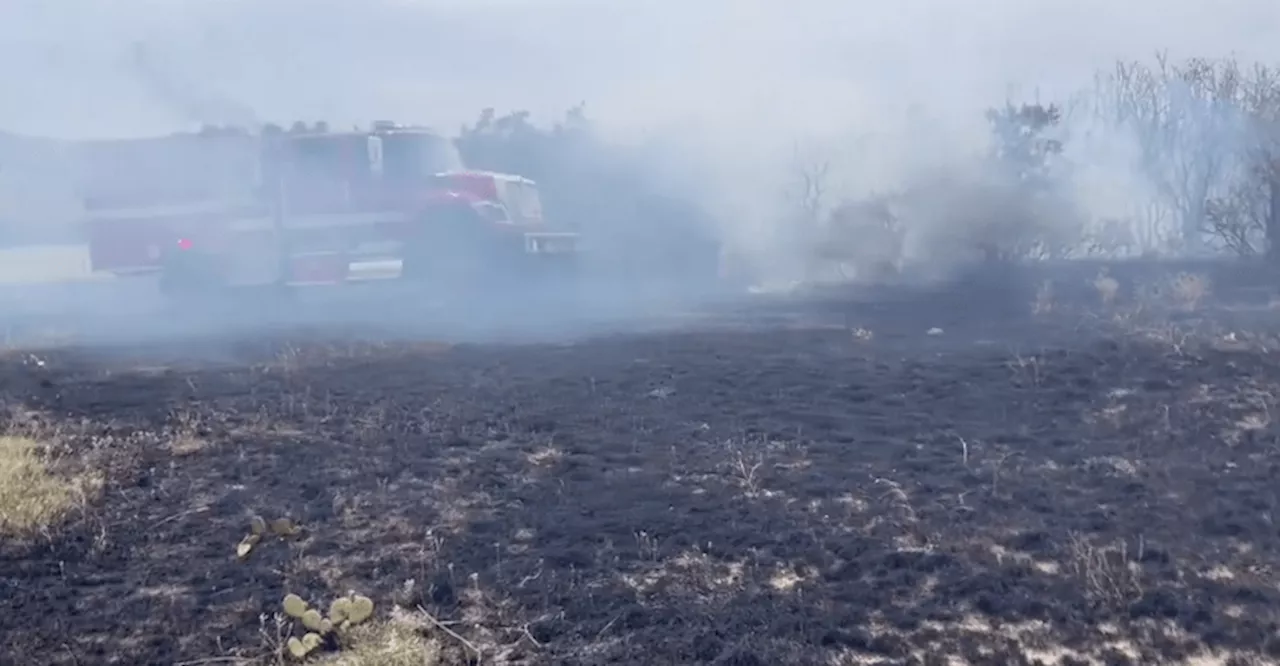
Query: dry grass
(33, 496)
(186, 444)
(1108, 288)
(390, 643)
(1043, 303)
(1110, 573)
(1189, 290)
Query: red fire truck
(222, 211)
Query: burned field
(862, 492)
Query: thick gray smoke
(728, 102)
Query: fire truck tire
(554, 281)
(194, 283)
(452, 253)
(190, 277)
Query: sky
(127, 67)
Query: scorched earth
(824, 488)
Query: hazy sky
(111, 67)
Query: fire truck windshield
(416, 156)
(324, 155)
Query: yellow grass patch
(33, 496)
(388, 643)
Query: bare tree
(809, 189)
(1239, 216)
(806, 204)
(1200, 129)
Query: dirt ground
(819, 484)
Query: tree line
(1200, 154)
(1157, 157)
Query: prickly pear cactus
(344, 612)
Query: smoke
(719, 100)
(780, 68)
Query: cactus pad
(361, 609)
(283, 527)
(339, 610)
(297, 648)
(294, 606)
(311, 619)
(311, 641)
(246, 545)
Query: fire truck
(225, 211)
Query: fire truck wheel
(554, 281)
(455, 254)
(193, 284)
(189, 278)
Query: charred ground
(833, 485)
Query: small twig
(452, 634)
(995, 472)
(178, 516)
(608, 626)
(536, 642)
(529, 579)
